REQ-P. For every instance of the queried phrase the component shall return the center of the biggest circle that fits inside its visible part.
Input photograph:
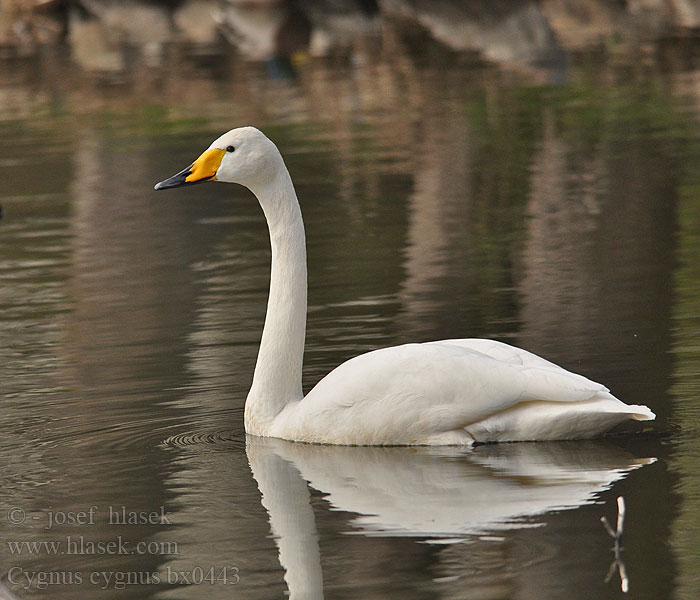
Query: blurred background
(522, 170)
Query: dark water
(553, 206)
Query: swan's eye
(230, 148)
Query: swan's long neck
(277, 378)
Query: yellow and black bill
(201, 170)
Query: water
(556, 207)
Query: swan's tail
(639, 412)
(540, 420)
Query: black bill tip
(179, 180)
(175, 181)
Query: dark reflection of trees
(686, 350)
(598, 257)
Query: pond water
(555, 206)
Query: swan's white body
(436, 393)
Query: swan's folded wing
(542, 379)
(558, 385)
(501, 352)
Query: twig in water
(620, 529)
(617, 536)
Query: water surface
(555, 207)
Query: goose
(449, 392)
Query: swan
(449, 392)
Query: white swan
(436, 393)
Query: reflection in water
(445, 495)
(686, 383)
(6, 594)
(560, 253)
(600, 225)
(286, 498)
(439, 207)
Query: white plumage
(436, 393)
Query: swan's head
(242, 155)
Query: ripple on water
(218, 440)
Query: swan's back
(452, 392)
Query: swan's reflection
(437, 493)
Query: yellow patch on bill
(206, 165)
